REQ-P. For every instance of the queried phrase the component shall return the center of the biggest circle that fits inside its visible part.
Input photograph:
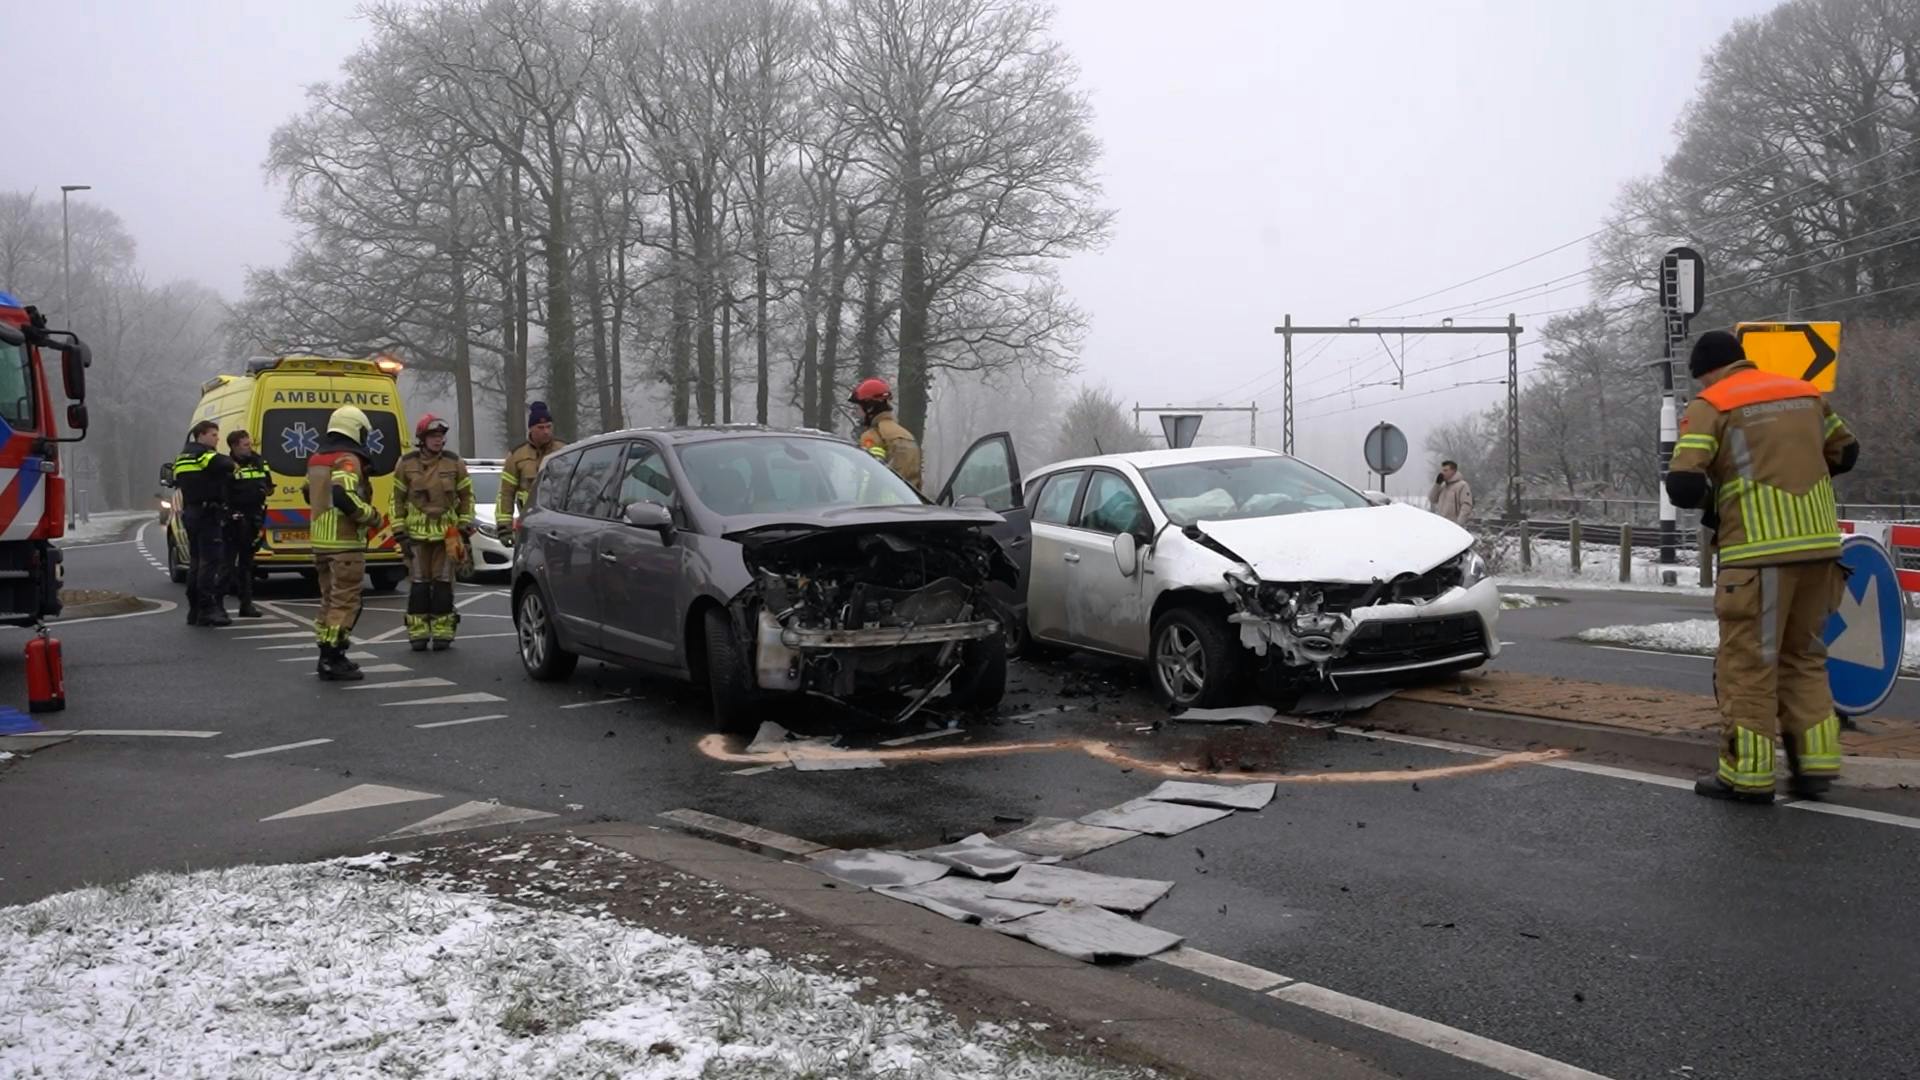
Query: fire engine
(33, 494)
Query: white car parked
(1202, 561)
(491, 555)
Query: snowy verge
(1599, 569)
(327, 970)
(1702, 638)
(104, 526)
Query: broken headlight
(1471, 567)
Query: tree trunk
(726, 355)
(761, 255)
(703, 257)
(516, 373)
(562, 364)
(616, 373)
(680, 346)
(597, 314)
(823, 406)
(910, 393)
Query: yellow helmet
(349, 421)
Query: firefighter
(201, 472)
(432, 497)
(340, 494)
(883, 436)
(1757, 453)
(523, 465)
(247, 492)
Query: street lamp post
(66, 290)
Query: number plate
(290, 536)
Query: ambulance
(284, 403)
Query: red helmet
(871, 392)
(428, 425)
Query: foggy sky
(1265, 158)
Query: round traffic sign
(1867, 635)
(1386, 449)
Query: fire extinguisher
(46, 675)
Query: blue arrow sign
(1866, 637)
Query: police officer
(1757, 452)
(432, 495)
(201, 473)
(340, 494)
(883, 436)
(523, 465)
(247, 492)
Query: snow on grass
(1517, 601)
(104, 526)
(329, 971)
(1599, 568)
(1702, 637)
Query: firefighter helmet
(349, 421)
(871, 392)
(430, 425)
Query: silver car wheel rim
(1181, 664)
(533, 630)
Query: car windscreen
(771, 475)
(486, 487)
(1246, 488)
(288, 437)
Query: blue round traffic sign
(1867, 635)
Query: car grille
(1407, 588)
(1414, 640)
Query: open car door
(989, 475)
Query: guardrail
(1902, 542)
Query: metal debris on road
(1321, 702)
(774, 739)
(1236, 797)
(1085, 932)
(1067, 839)
(963, 900)
(981, 856)
(905, 740)
(877, 869)
(1243, 714)
(812, 760)
(1058, 884)
(1152, 816)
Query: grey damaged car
(765, 564)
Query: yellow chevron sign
(1809, 351)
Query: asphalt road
(1609, 923)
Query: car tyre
(730, 681)
(1194, 661)
(176, 566)
(385, 581)
(982, 679)
(540, 650)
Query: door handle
(1018, 541)
(1071, 556)
(552, 534)
(608, 556)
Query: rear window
(486, 488)
(288, 437)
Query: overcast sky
(1321, 159)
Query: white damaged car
(1208, 563)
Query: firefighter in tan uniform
(884, 437)
(1757, 452)
(433, 516)
(523, 465)
(340, 496)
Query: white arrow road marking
(308, 634)
(450, 699)
(357, 797)
(256, 624)
(469, 815)
(467, 720)
(282, 746)
(382, 669)
(404, 684)
(1859, 640)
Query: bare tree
(1096, 422)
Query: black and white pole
(1683, 278)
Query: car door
(990, 472)
(569, 543)
(1105, 608)
(639, 570)
(1052, 498)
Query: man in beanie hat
(1758, 452)
(523, 465)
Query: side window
(1111, 506)
(987, 471)
(16, 388)
(1054, 503)
(644, 477)
(550, 492)
(590, 493)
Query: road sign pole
(1682, 289)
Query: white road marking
(1510, 1060)
(465, 720)
(309, 659)
(1245, 976)
(279, 607)
(1854, 812)
(256, 624)
(1618, 773)
(477, 698)
(922, 737)
(383, 669)
(357, 797)
(164, 607)
(405, 684)
(468, 815)
(83, 545)
(474, 597)
(282, 746)
(386, 635)
(151, 733)
(308, 634)
(602, 701)
(1651, 652)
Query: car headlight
(488, 528)
(1473, 568)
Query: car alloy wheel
(1181, 664)
(533, 630)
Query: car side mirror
(77, 418)
(649, 515)
(166, 475)
(1126, 552)
(75, 359)
(1377, 498)
(971, 502)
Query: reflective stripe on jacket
(340, 497)
(431, 493)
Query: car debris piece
(1067, 839)
(962, 899)
(1152, 816)
(774, 739)
(1086, 932)
(817, 761)
(1233, 796)
(981, 856)
(1243, 714)
(1332, 700)
(1057, 884)
(877, 869)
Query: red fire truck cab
(33, 494)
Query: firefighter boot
(419, 615)
(218, 616)
(1713, 787)
(335, 667)
(445, 618)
